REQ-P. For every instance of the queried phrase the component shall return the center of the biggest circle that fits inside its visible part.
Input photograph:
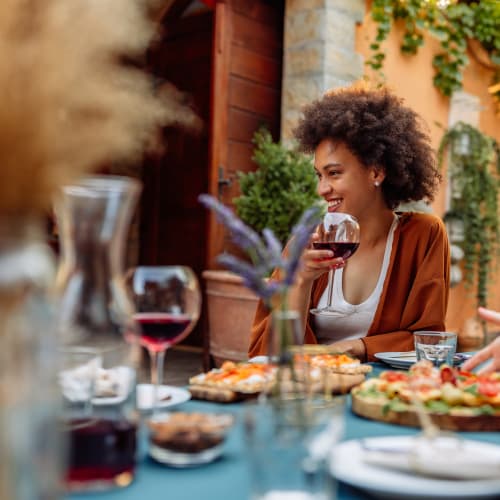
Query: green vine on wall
(474, 170)
(453, 23)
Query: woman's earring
(377, 183)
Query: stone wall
(319, 52)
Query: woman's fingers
(489, 315)
(478, 358)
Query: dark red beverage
(339, 249)
(101, 453)
(161, 330)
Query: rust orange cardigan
(414, 296)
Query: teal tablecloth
(227, 478)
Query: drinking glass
(289, 442)
(168, 302)
(437, 347)
(339, 233)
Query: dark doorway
(173, 223)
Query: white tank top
(352, 321)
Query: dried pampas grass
(70, 103)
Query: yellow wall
(411, 78)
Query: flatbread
(455, 400)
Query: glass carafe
(99, 351)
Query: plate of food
(454, 399)
(337, 373)
(403, 360)
(182, 439)
(232, 381)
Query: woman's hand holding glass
(339, 233)
(315, 262)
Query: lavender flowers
(266, 252)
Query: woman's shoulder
(420, 222)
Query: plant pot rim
(221, 275)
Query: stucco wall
(411, 78)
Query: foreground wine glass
(168, 301)
(339, 233)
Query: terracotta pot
(471, 335)
(231, 310)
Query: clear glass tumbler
(437, 347)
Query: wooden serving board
(219, 395)
(373, 410)
(338, 383)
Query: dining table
(228, 478)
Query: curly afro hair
(379, 130)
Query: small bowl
(183, 439)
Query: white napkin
(76, 383)
(113, 384)
(443, 457)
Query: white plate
(168, 395)
(260, 360)
(403, 360)
(348, 466)
(176, 459)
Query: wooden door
(246, 93)
(173, 225)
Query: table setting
(302, 423)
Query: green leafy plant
(474, 170)
(276, 194)
(454, 23)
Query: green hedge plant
(453, 23)
(277, 193)
(474, 172)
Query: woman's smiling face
(343, 181)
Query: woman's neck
(374, 227)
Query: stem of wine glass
(330, 289)
(157, 362)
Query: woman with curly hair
(370, 154)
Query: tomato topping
(488, 389)
(447, 375)
(394, 376)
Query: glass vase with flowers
(266, 255)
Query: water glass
(289, 444)
(437, 347)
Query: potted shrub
(274, 196)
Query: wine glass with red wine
(167, 301)
(339, 233)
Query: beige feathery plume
(69, 102)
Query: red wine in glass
(339, 233)
(168, 302)
(100, 451)
(339, 249)
(159, 331)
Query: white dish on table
(349, 466)
(403, 360)
(181, 460)
(168, 396)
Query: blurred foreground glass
(95, 315)
(168, 303)
(289, 445)
(30, 447)
(436, 347)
